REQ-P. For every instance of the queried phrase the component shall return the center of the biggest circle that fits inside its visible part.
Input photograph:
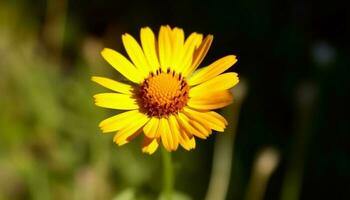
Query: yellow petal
(221, 82)
(199, 55)
(166, 135)
(149, 145)
(151, 128)
(217, 116)
(185, 60)
(210, 119)
(136, 54)
(175, 131)
(209, 101)
(165, 47)
(186, 142)
(123, 136)
(113, 85)
(192, 126)
(120, 121)
(116, 101)
(178, 38)
(149, 47)
(123, 65)
(212, 70)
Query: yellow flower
(169, 101)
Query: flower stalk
(168, 175)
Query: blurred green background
(289, 126)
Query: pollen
(163, 93)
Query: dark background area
(292, 55)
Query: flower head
(168, 99)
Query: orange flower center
(163, 93)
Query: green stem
(168, 174)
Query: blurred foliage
(292, 54)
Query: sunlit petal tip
(104, 130)
(126, 35)
(208, 39)
(219, 117)
(220, 130)
(192, 143)
(147, 151)
(232, 59)
(119, 142)
(178, 29)
(104, 50)
(149, 145)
